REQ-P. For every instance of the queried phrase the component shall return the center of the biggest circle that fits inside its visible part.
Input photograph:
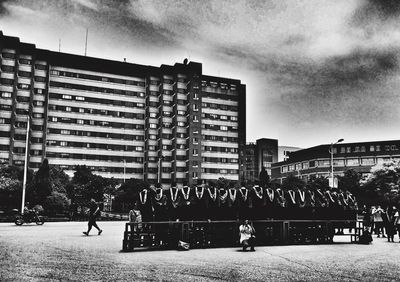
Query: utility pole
(25, 165)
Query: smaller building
(254, 156)
(284, 151)
(316, 161)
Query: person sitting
(135, 216)
(247, 237)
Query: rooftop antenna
(87, 31)
(59, 44)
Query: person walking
(247, 237)
(94, 211)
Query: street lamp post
(25, 166)
(331, 152)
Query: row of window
(97, 78)
(362, 149)
(220, 107)
(97, 100)
(95, 89)
(220, 138)
(218, 170)
(337, 163)
(96, 112)
(221, 85)
(219, 117)
(220, 160)
(113, 147)
(96, 134)
(219, 127)
(224, 97)
(219, 149)
(96, 123)
(95, 157)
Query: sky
(315, 70)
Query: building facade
(162, 124)
(254, 156)
(284, 152)
(316, 161)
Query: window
(195, 152)
(195, 118)
(79, 121)
(371, 148)
(180, 123)
(67, 97)
(68, 109)
(139, 148)
(37, 115)
(362, 148)
(38, 91)
(353, 162)
(81, 110)
(342, 150)
(79, 98)
(393, 147)
(24, 86)
(387, 148)
(63, 143)
(334, 150)
(223, 127)
(378, 148)
(54, 72)
(195, 108)
(356, 149)
(153, 115)
(367, 161)
(348, 149)
(38, 103)
(195, 140)
(65, 132)
(153, 125)
(6, 94)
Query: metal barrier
(213, 234)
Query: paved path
(59, 251)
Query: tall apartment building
(161, 124)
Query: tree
(315, 183)
(382, 185)
(41, 185)
(264, 178)
(128, 193)
(56, 203)
(350, 181)
(293, 183)
(82, 174)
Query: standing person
(247, 237)
(94, 211)
(366, 213)
(378, 221)
(396, 220)
(390, 224)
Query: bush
(56, 203)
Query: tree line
(50, 189)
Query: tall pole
(87, 31)
(25, 166)
(331, 152)
(124, 169)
